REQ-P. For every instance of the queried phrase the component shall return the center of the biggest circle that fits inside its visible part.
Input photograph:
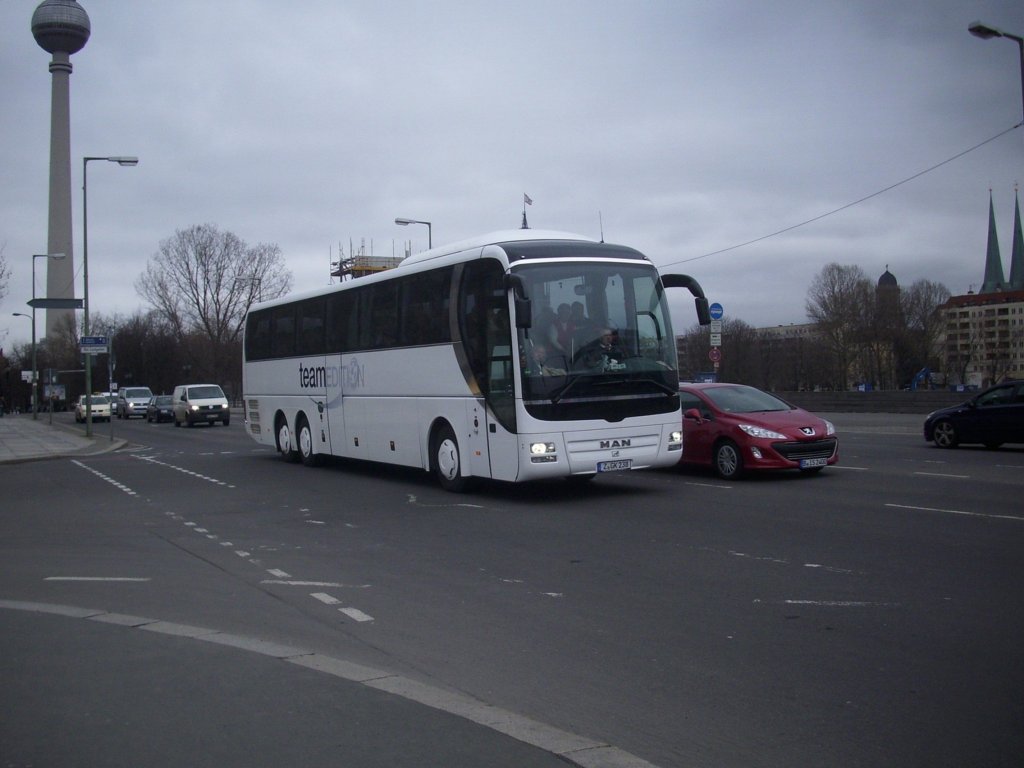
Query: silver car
(133, 401)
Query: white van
(200, 404)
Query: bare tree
(925, 324)
(202, 282)
(839, 301)
(5, 271)
(204, 279)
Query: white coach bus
(516, 356)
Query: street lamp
(35, 378)
(120, 160)
(407, 222)
(985, 32)
(32, 320)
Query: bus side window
(283, 337)
(310, 339)
(257, 336)
(342, 329)
(424, 302)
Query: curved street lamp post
(986, 32)
(35, 375)
(120, 160)
(32, 320)
(407, 222)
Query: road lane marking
(944, 474)
(324, 598)
(112, 481)
(842, 603)
(197, 475)
(957, 512)
(828, 568)
(94, 578)
(279, 573)
(294, 583)
(356, 615)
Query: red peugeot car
(733, 428)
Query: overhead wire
(849, 205)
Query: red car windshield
(742, 399)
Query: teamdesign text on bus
(324, 376)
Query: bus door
(502, 440)
(488, 344)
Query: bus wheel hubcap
(448, 459)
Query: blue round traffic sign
(716, 311)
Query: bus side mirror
(703, 312)
(521, 303)
(700, 301)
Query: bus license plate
(614, 466)
(808, 463)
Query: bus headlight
(675, 440)
(542, 453)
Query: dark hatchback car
(993, 417)
(733, 428)
(160, 408)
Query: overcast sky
(687, 127)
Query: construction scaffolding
(360, 263)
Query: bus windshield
(600, 342)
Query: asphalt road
(867, 616)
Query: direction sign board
(716, 311)
(93, 345)
(55, 303)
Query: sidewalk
(23, 438)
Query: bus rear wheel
(283, 435)
(447, 461)
(306, 452)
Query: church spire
(1017, 256)
(994, 280)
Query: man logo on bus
(615, 443)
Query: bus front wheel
(447, 461)
(284, 441)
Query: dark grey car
(993, 417)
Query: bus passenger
(562, 330)
(584, 330)
(539, 363)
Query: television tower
(61, 28)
